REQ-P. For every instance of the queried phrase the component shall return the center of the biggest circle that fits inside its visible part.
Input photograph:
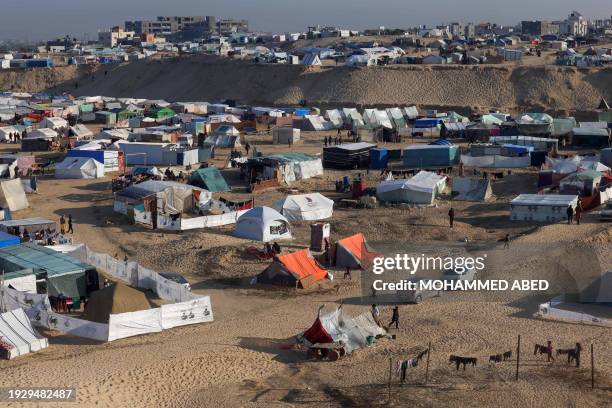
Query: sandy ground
(511, 88)
(241, 359)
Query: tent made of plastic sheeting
(336, 117)
(228, 141)
(17, 336)
(226, 130)
(53, 123)
(354, 252)
(540, 143)
(420, 189)
(563, 126)
(397, 117)
(297, 269)
(305, 207)
(575, 163)
(377, 118)
(583, 182)
(353, 117)
(311, 59)
(7, 240)
(471, 189)
(23, 281)
(411, 112)
(594, 125)
(5, 131)
(496, 161)
(79, 168)
(12, 195)
(491, 120)
(350, 332)
(541, 207)
(292, 166)
(209, 178)
(81, 131)
(316, 123)
(44, 133)
(113, 134)
(591, 137)
(285, 135)
(262, 224)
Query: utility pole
(518, 355)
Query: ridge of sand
(513, 88)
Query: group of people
(574, 214)
(16, 137)
(169, 175)
(66, 225)
(272, 250)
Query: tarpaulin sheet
(134, 323)
(197, 310)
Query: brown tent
(114, 299)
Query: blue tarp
(379, 158)
(97, 155)
(7, 240)
(427, 122)
(441, 142)
(518, 149)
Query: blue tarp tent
(7, 240)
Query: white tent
(336, 117)
(18, 336)
(223, 141)
(420, 189)
(305, 207)
(317, 123)
(353, 117)
(5, 131)
(262, 224)
(81, 131)
(311, 59)
(226, 130)
(12, 195)
(79, 168)
(53, 123)
(43, 133)
(471, 189)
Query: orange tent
(354, 252)
(295, 269)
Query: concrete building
(470, 30)
(110, 38)
(165, 25)
(232, 26)
(538, 28)
(575, 24)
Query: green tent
(160, 113)
(209, 178)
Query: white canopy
(305, 207)
(12, 195)
(79, 168)
(53, 123)
(262, 224)
(43, 133)
(18, 336)
(423, 181)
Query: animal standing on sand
(507, 355)
(457, 360)
(548, 350)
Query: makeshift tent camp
(305, 207)
(348, 155)
(53, 123)
(209, 178)
(12, 195)
(420, 189)
(471, 189)
(581, 183)
(262, 224)
(423, 156)
(17, 336)
(338, 327)
(354, 252)
(79, 168)
(297, 269)
(114, 299)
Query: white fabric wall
(197, 310)
(134, 323)
(496, 161)
(211, 220)
(23, 283)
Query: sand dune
(547, 88)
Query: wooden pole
(592, 368)
(518, 355)
(390, 374)
(427, 364)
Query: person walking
(577, 351)
(247, 147)
(578, 212)
(347, 273)
(507, 241)
(375, 313)
(395, 317)
(62, 225)
(70, 230)
(570, 214)
(451, 216)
